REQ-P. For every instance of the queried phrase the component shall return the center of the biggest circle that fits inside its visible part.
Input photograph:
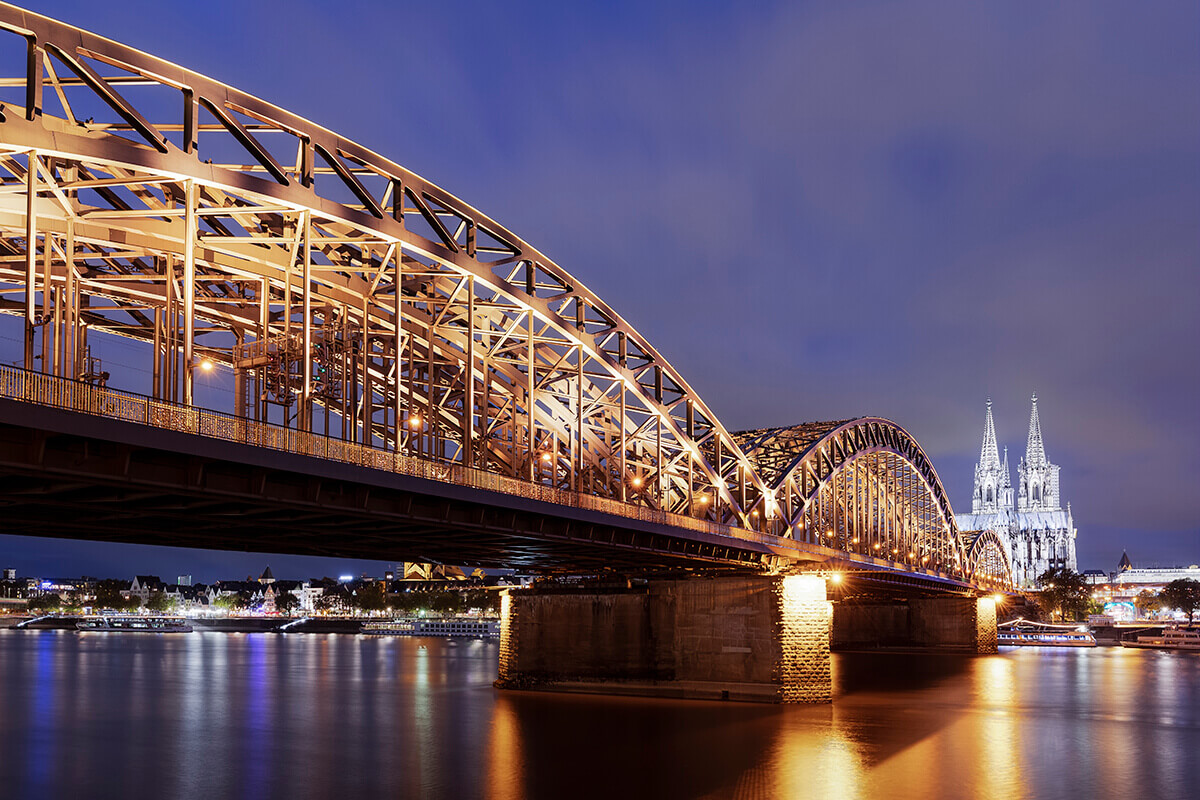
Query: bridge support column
(757, 639)
(965, 624)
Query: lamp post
(205, 364)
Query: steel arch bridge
(988, 558)
(361, 309)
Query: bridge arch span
(988, 560)
(257, 259)
(863, 486)
(170, 162)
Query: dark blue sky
(814, 210)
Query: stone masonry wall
(869, 625)
(577, 637)
(987, 636)
(968, 623)
(509, 642)
(725, 629)
(805, 620)
(767, 632)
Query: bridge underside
(63, 475)
(88, 478)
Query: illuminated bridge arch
(255, 262)
(862, 486)
(193, 216)
(988, 560)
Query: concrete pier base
(756, 638)
(962, 624)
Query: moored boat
(1169, 639)
(1023, 633)
(134, 624)
(470, 627)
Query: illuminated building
(1038, 532)
(1129, 580)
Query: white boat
(1170, 639)
(470, 627)
(131, 624)
(1023, 633)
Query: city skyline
(1037, 238)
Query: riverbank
(349, 625)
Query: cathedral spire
(1005, 480)
(1035, 451)
(988, 456)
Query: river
(218, 715)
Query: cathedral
(1037, 530)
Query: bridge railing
(56, 392)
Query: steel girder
(863, 486)
(990, 566)
(345, 294)
(134, 188)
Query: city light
(337, 291)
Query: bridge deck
(79, 461)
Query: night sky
(815, 211)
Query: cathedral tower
(990, 478)
(1037, 478)
(1006, 488)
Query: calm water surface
(258, 716)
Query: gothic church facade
(1038, 531)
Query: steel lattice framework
(862, 486)
(989, 559)
(344, 295)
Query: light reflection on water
(220, 715)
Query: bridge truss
(989, 560)
(324, 288)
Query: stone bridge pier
(957, 624)
(763, 639)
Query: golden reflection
(1000, 772)
(812, 757)
(1124, 682)
(505, 756)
